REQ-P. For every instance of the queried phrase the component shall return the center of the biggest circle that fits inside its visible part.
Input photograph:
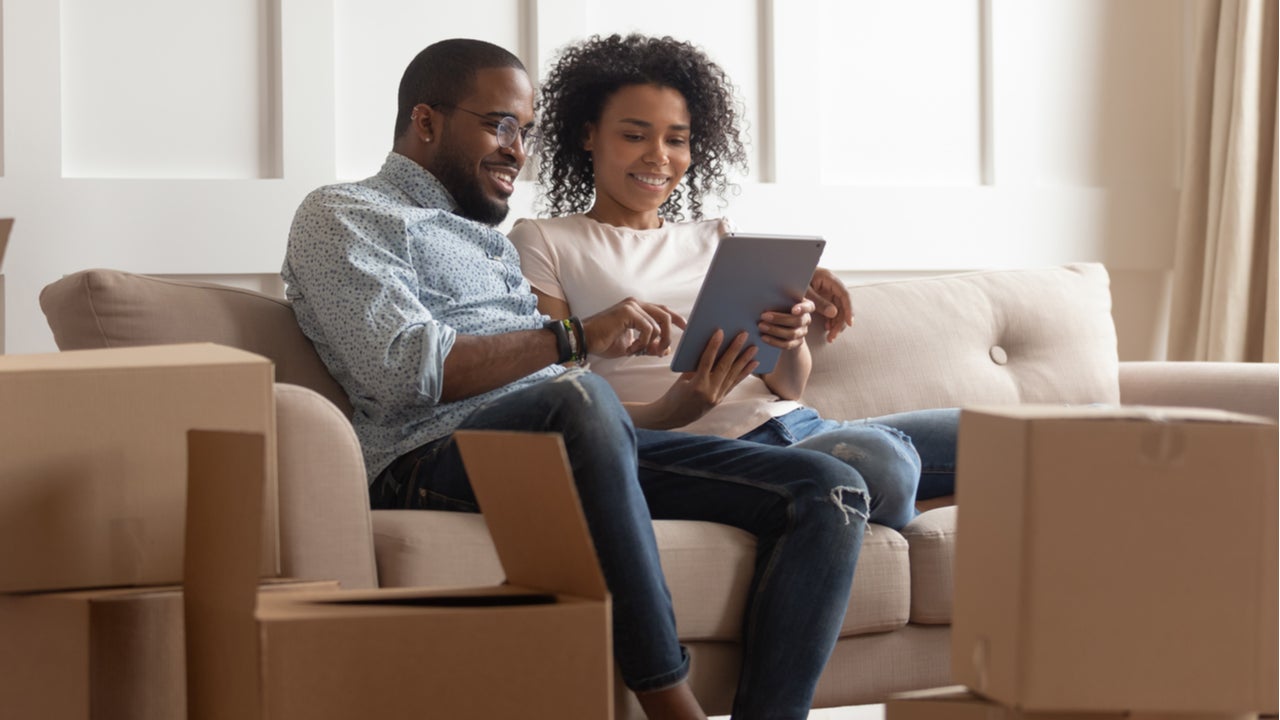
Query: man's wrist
(571, 341)
(580, 336)
(564, 350)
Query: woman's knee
(832, 489)
(887, 461)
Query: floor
(857, 712)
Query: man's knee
(587, 409)
(583, 390)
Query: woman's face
(639, 152)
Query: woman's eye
(633, 137)
(679, 141)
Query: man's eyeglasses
(506, 129)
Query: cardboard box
(6, 226)
(1117, 559)
(957, 703)
(94, 463)
(102, 654)
(538, 646)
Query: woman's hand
(694, 393)
(787, 330)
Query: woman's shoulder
(546, 229)
(551, 223)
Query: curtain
(1224, 304)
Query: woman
(634, 130)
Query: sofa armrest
(1250, 388)
(325, 527)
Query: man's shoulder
(365, 192)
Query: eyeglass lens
(508, 129)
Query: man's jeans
(807, 510)
(903, 457)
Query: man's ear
(422, 122)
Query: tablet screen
(749, 274)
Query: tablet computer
(749, 274)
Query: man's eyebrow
(646, 124)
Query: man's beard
(455, 173)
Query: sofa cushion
(994, 337)
(932, 539)
(110, 308)
(708, 568)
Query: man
(416, 304)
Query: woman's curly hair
(585, 75)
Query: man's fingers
(821, 305)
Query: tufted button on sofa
(1017, 336)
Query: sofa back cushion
(110, 308)
(993, 337)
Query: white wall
(917, 135)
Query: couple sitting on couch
(421, 309)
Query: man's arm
(832, 301)
(479, 363)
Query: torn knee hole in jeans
(847, 452)
(837, 498)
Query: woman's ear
(589, 139)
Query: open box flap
(6, 227)
(526, 493)
(220, 570)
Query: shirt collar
(415, 181)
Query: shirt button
(998, 355)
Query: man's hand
(631, 327)
(786, 330)
(832, 301)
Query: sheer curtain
(1224, 304)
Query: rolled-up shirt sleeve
(355, 293)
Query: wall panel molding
(1085, 168)
(141, 99)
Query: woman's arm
(791, 374)
(787, 331)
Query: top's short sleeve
(538, 261)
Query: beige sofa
(991, 337)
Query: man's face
(469, 162)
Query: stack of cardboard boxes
(92, 500)
(1112, 563)
(99, 525)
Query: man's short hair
(443, 73)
